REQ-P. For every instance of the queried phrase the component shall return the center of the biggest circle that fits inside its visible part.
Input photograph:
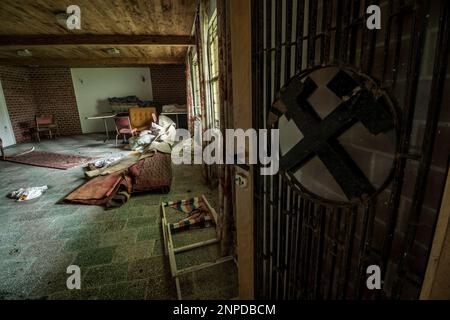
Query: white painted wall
(6, 131)
(93, 87)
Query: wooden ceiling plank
(90, 62)
(39, 40)
(168, 17)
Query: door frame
(241, 56)
(4, 108)
(436, 283)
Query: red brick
(54, 94)
(168, 83)
(32, 91)
(19, 100)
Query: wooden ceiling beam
(89, 62)
(84, 39)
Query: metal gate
(306, 248)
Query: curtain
(189, 93)
(225, 172)
(200, 52)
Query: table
(104, 117)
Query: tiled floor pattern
(120, 251)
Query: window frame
(195, 84)
(212, 50)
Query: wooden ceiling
(145, 32)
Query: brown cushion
(141, 118)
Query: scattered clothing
(139, 143)
(103, 163)
(25, 194)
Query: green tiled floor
(120, 252)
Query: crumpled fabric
(174, 108)
(140, 142)
(102, 163)
(160, 137)
(120, 165)
(131, 100)
(25, 194)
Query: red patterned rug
(51, 160)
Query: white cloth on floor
(24, 194)
(106, 161)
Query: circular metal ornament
(338, 134)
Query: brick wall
(20, 101)
(54, 94)
(32, 91)
(168, 83)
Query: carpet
(51, 160)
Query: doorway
(6, 132)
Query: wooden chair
(142, 118)
(123, 126)
(46, 123)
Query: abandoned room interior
(349, 99)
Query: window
(195, 83)
(213, 71)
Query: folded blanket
(109, 190)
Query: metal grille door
(308, 248)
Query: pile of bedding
(147, 168)
(131, 100)
(174, 108)
(160, 137)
